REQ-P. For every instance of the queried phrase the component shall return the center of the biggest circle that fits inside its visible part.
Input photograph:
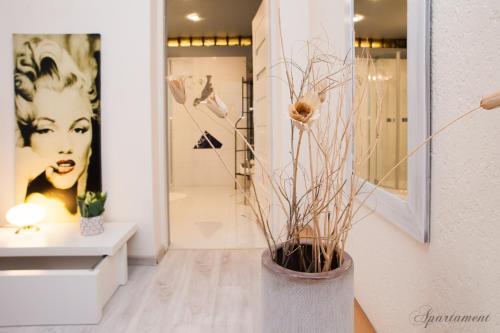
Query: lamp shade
(25, 214)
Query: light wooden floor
(190, 291)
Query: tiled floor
(212, 218)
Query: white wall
(132, 102)
(301, 20)
(459, 270)
(202, 167)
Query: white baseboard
(147, 260)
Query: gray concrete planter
(307, 302)
(90, 226)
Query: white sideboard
(55, 276)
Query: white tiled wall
(201, 167)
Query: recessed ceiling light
(193, 17)
(246, 41)
(221, 41)
(208, 41)
(358, 17)
(196, 41)
(185, 42)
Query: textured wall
(460, 269)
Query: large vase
(294, 301)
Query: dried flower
(491, 101)
(216, 105)
(176, 85)
(305, 110)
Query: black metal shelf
(242, 150)
(247, 130)
(242, 174)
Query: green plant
(91, 203)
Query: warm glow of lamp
(25, 216)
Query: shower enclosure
(383, 93)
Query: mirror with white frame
(392, 58)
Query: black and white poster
(57, 109)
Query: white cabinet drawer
(57, 290)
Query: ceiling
(220, 17)
(383, 18)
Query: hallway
(212, 217)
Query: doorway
(212, 52)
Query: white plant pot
(90, 226)
(307, 302)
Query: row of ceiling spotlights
(247, 41)
(209, 41)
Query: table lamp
(26, 216)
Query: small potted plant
(91, 206)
